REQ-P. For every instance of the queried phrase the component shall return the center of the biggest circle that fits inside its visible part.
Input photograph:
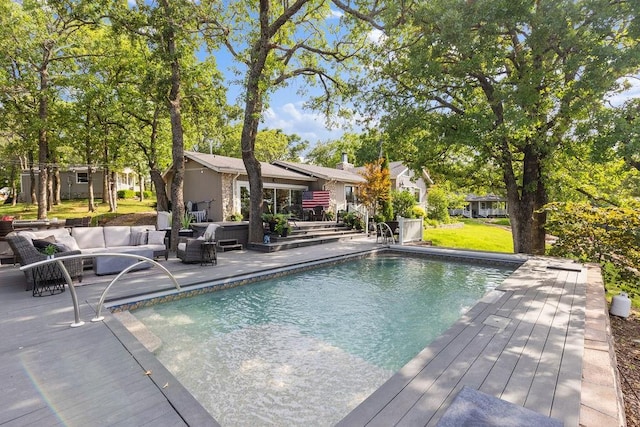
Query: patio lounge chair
(26, 254)
(190, 250)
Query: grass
(473, 234)
(78, 208)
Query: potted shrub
(270, 219)
(282, 225)
(185, 225)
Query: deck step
(229, 245)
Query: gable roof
(322, 172)
(232, 165)
(397, 169)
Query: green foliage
(417, 212)
(497, 89)
(403, 203)
(438, 204)
(353, 220)
(126, 194)
(186, 220)
(236, 216)
(602, 235)
(377, 187)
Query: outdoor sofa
(139, 239)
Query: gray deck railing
(74, 296)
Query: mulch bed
(626, 333)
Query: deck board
(537, 352)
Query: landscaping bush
(609, 236)
(403, 203)
(147, 194)
(418, 212)
(126, 194)
(438, 202)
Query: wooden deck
(523, 343)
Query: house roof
(398, 169)
(485, 198)
(232, 165)
(330, 174)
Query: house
(218, 186)
(74, 183)
(341, 182)
(404, 179)
(486, 206)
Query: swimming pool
(305, 349)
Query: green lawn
(473, 235)
(77, 208)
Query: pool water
(306, 349)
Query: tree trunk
(527, 226)
(113, 192)
(252, 114)
(91, 205)
(141, 186)
(32, 179)
(55, 182)
(43, 148)
(161, 191)
(177, 133)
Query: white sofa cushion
(41, 234)
(89, 237)
(68, 242)
(156, 237)
(119, 235)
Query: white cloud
(376, 36)
(336, 14)
(293, 119)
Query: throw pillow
(41, 244)
(156, 237)
(68, 242)
(138, 238)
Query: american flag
(311, 199)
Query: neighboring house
(74, 183)
(487, 206)
(404, 179)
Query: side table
(47, 278)
(208, 253)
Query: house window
(82, 177)
(349, 194)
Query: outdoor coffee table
(111, 265)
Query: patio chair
(190, 250)
(26, 254)
(318, 213)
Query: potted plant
(282, 225)
(50, 251)
(185, 221)
(270, 219)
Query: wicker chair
(191, 251)
(26, 254)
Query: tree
(42, 46)
(289, 41)
(506, 82)
(377, 188)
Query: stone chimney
(345, 165)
